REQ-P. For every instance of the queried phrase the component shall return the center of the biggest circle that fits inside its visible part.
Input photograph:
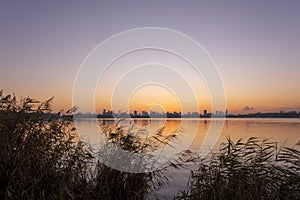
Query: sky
(255, 45)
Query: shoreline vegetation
(41, 158)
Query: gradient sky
(256, 45)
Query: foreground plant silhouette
(42, 158)
(254, 169)
(38, 156)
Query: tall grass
(109, 183)
(254, 169)
(38, 156)
(42, 158)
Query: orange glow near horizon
(235, 104)
(237, 100)
(146, 99)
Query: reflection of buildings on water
(142, 122)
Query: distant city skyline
(218, 114)
(205, 113)
(141, 112)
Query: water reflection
(278, 130)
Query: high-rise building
(205, 113)
(144, 114)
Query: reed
(41, 157)
(38, 156)
(254, 169)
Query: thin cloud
(248, 108)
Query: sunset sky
(255, 45)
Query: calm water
(194, 134)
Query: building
(144, 114)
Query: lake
(195, 134)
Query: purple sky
(256, 45)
